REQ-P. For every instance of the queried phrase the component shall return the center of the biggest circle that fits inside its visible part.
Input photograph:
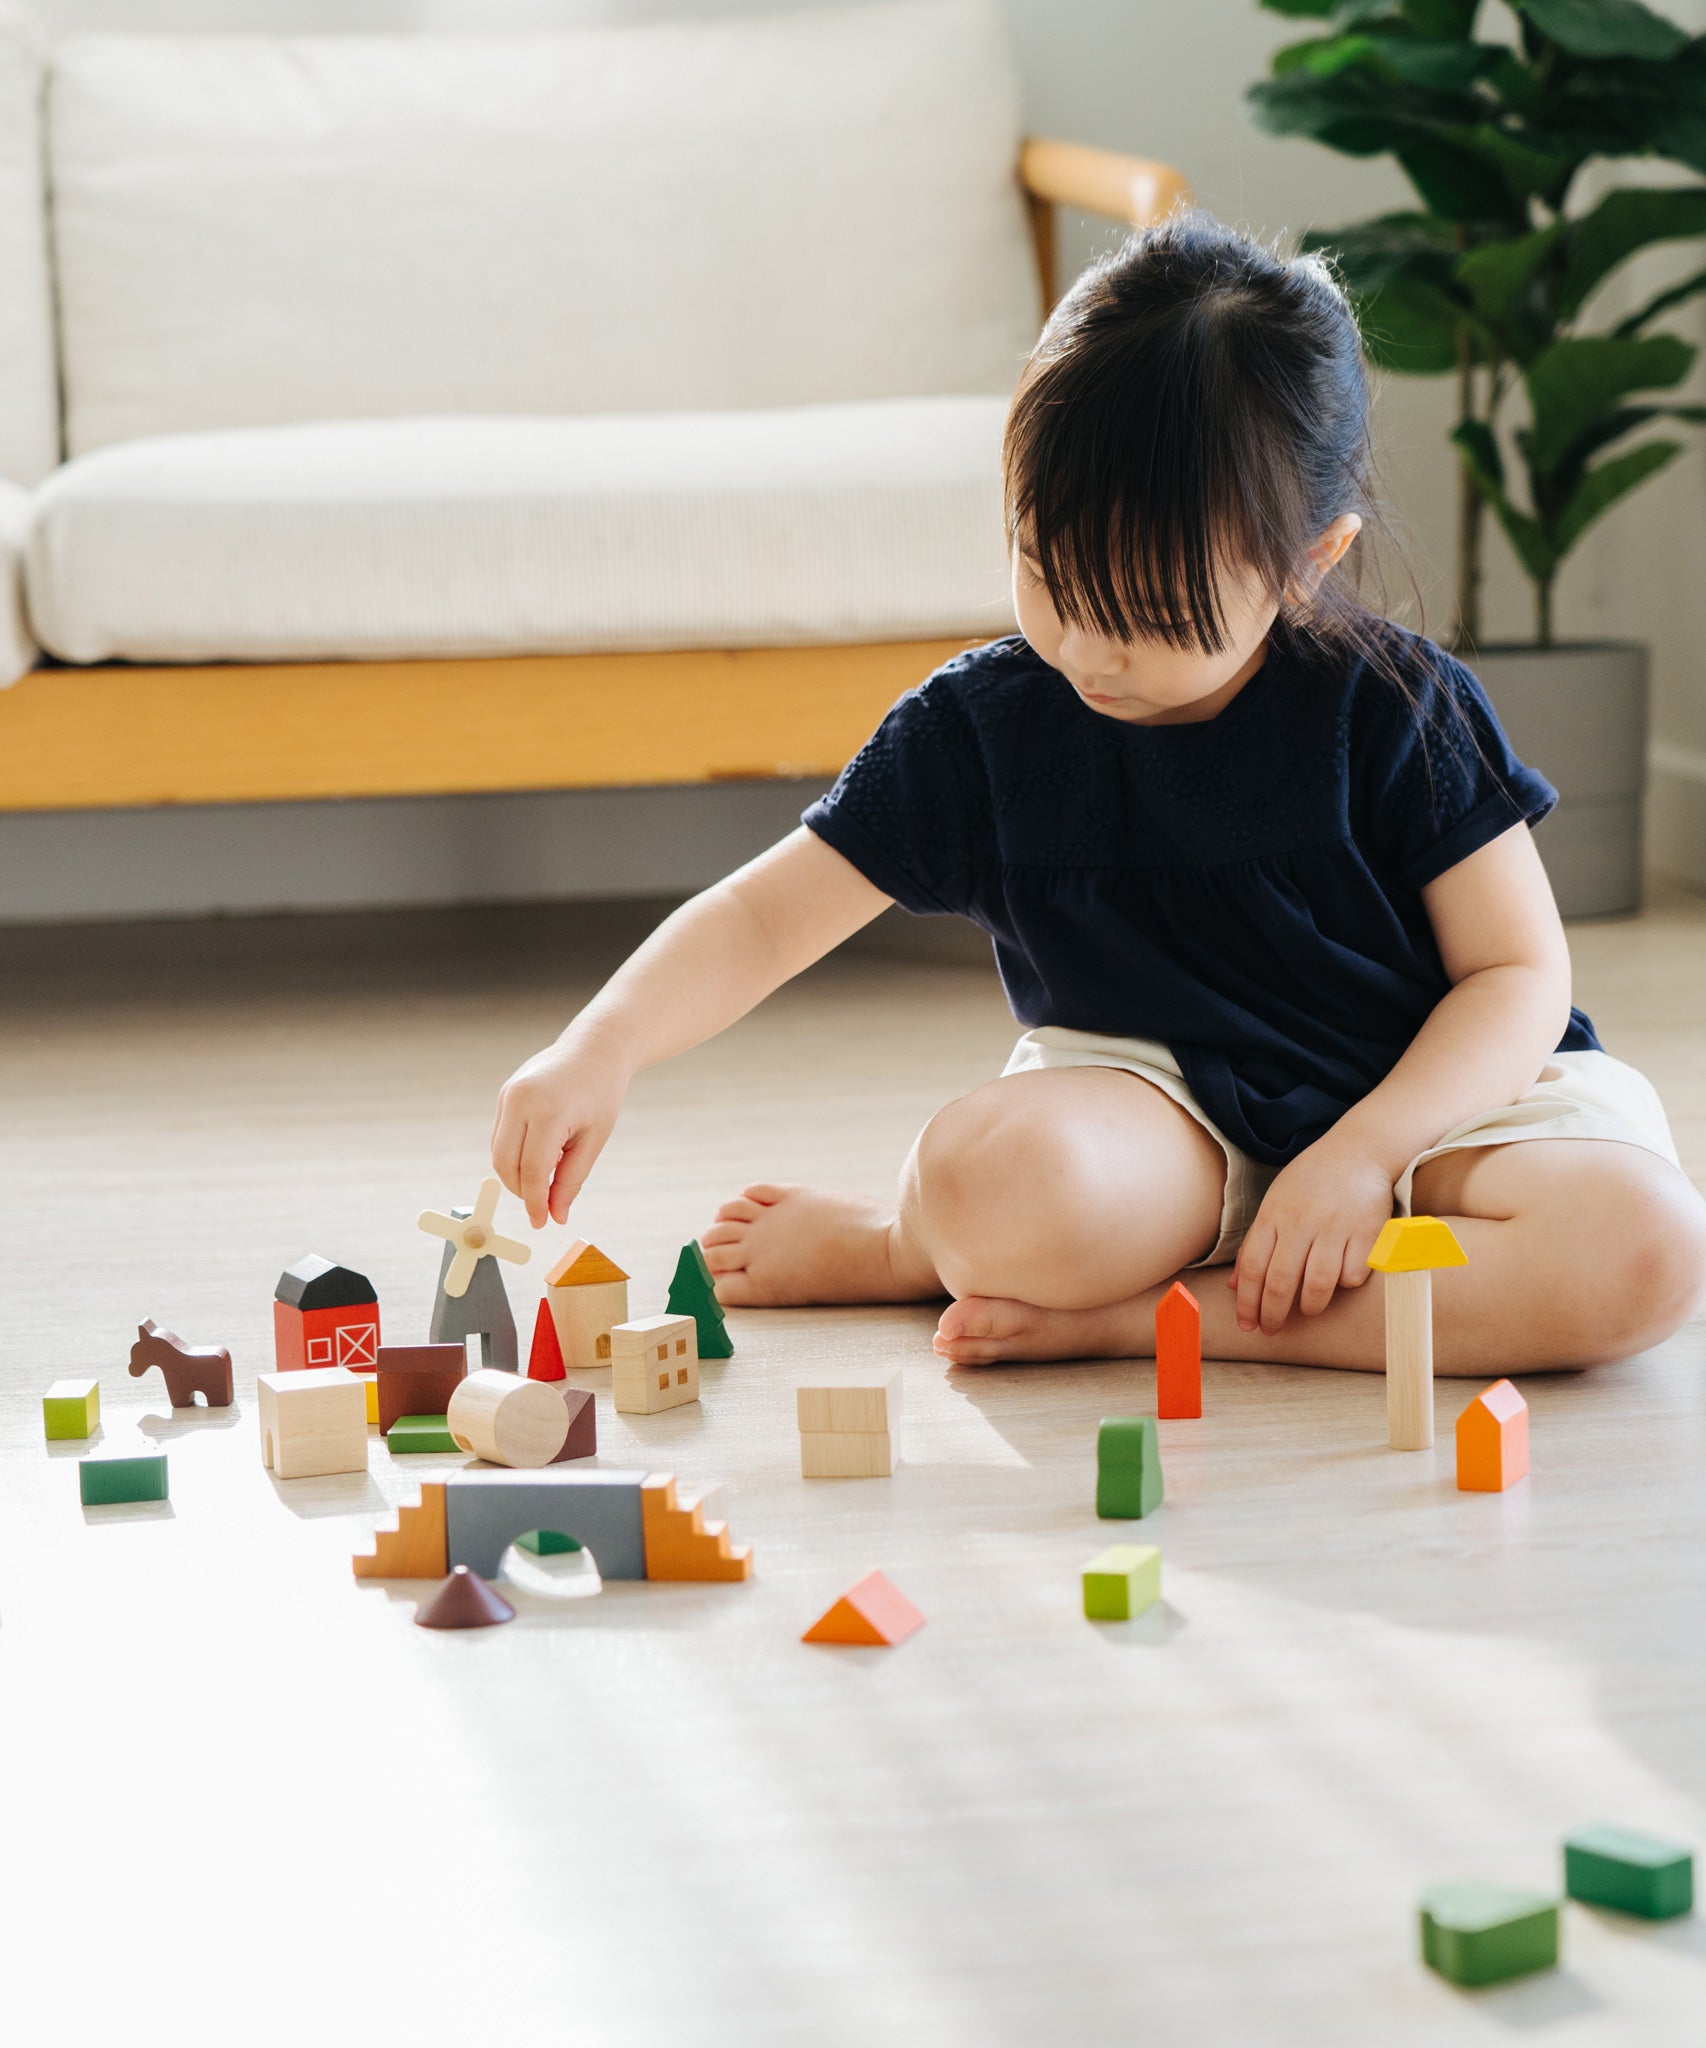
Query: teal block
(1122, 1581)
(1128, 1468)
(546, 1543)
(1607, 1866)
(103, 1482)
(1483, 1933)
(413, 1433)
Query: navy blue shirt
(1245, 888)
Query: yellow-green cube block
(71, 1408)
(1122, 1581)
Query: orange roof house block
(588, 1297)
(1492, 1440)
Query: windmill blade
(461, 1271)
(509, 1248)
(436, 1225)
(485, 1203)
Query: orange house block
(1492, 1440)
(1178, 1354)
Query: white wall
(1161, 76)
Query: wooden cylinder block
(508, 1420)
(1409, 1361)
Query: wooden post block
(71, 1409)
(1178, 1355)
(847, 1454)
(109, 1482)
(1406, 1251)
(312, 1422)
(1632, 1873)
(654, 1364)
(1485, 1933)
(508, 1420)
(1122, 1581)
(415, 1549)
(1492, 1440)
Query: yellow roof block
(1416, 1244)
(583, 1265)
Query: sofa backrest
(29, 400)
(798, 208)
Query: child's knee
(1638, 1268)
(976, 1190)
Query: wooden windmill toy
(1406, 1252)
(471, 1301)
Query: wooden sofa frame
(116, 736)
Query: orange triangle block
(873, 1611)
(545, 1359)
(583, 1265)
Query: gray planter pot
(1579, 715)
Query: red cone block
(545, 1359)
(463, 1601)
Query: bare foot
(785, 1246)
(977, 1330)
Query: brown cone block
(463, 1601)
(582, 1439)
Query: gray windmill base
(482, 1312)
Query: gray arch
(485, 1511)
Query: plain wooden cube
(313, 1422)
(846, 1454)
(868, 1405)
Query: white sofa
(424, 350)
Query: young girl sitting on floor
(1258, 871)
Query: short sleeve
(910, 810)
(1433, 775)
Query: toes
(735, 1290)
(765, 1193)
(725, 1258)
(731, 1232)
(970, 1316)
(742, 1209)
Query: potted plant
(1492, 279)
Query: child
(1257, 868)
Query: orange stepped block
(1492, 1440)
(1178, 1354)
(873, 1611)
(681, 1544)
(417, 1548)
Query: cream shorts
(1578, 1095)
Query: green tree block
(1484, 1933)
(103, 1482)
(71, 1408)
(546, 1543)
(694, 1293)
(1128, 1468)
(412, 1433)
(1122, 1581)
(1607, 1866)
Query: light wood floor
(247, 1800)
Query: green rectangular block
(71, 1408)
(1128, 1468)
(411, 1433)
(104, 1482)
(1484, 1933)
(1607, 1866)
(546, 1543)
(1122, 1581)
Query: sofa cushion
(17, 648)
(29, 398)
(800, 209)
(509, 536)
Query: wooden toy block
(847, 1454)
(324, 1314)
(546, 1543)
(1122, 1581)
(188, 1369)
(463, 1601)
(507, 1420)
(471, 1239)
(588, 1296)
(471, 1301)
(1406, 1252)
(312, 1422)
(411, 1435)
(370, 1386)
(654, 1364)
(417, 1379)
(1178, 1354)
(693, 1292)
(545, 1353)
(105, 1481)
(1492, 1440)
(582, 1439)
(415, 1549)
(71, 1409)
(1485, 1933)
(681, 1544)
(1128, 1468)
(486, 1511)
(1616, 1867)
(874, 1612)
(868, 1404)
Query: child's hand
(1312, 1234)
(554, 1114)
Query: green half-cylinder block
(1128, 1468)
(71, 1408)
(546, 1543)
(1122, 1581)
(693, 1293)
(419, 1433)
(1607, 1866)
(105, 1482)
(1484, 1933)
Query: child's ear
(1330, 547)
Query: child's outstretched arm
(705, 966)
(1504, 949)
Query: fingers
(541, 1154)
(1321, 1275)
(508, 1130)
(1251, 1272)
(1279, 1289)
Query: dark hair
(1194, 400)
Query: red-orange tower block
(1178, 1354)
(545, 1360)
(1492, 1440)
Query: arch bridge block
(486, 1511)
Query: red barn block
(1492, 1440)
(324, 1315)
(1178, 1354)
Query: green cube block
(1607, 1866)
(104, 1482)
(1128, 1468)
(1122, 1581)
(546, 1543)
(71, 1408)
(1484, 1933)
(420, 1433)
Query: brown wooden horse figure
(190, 1369)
